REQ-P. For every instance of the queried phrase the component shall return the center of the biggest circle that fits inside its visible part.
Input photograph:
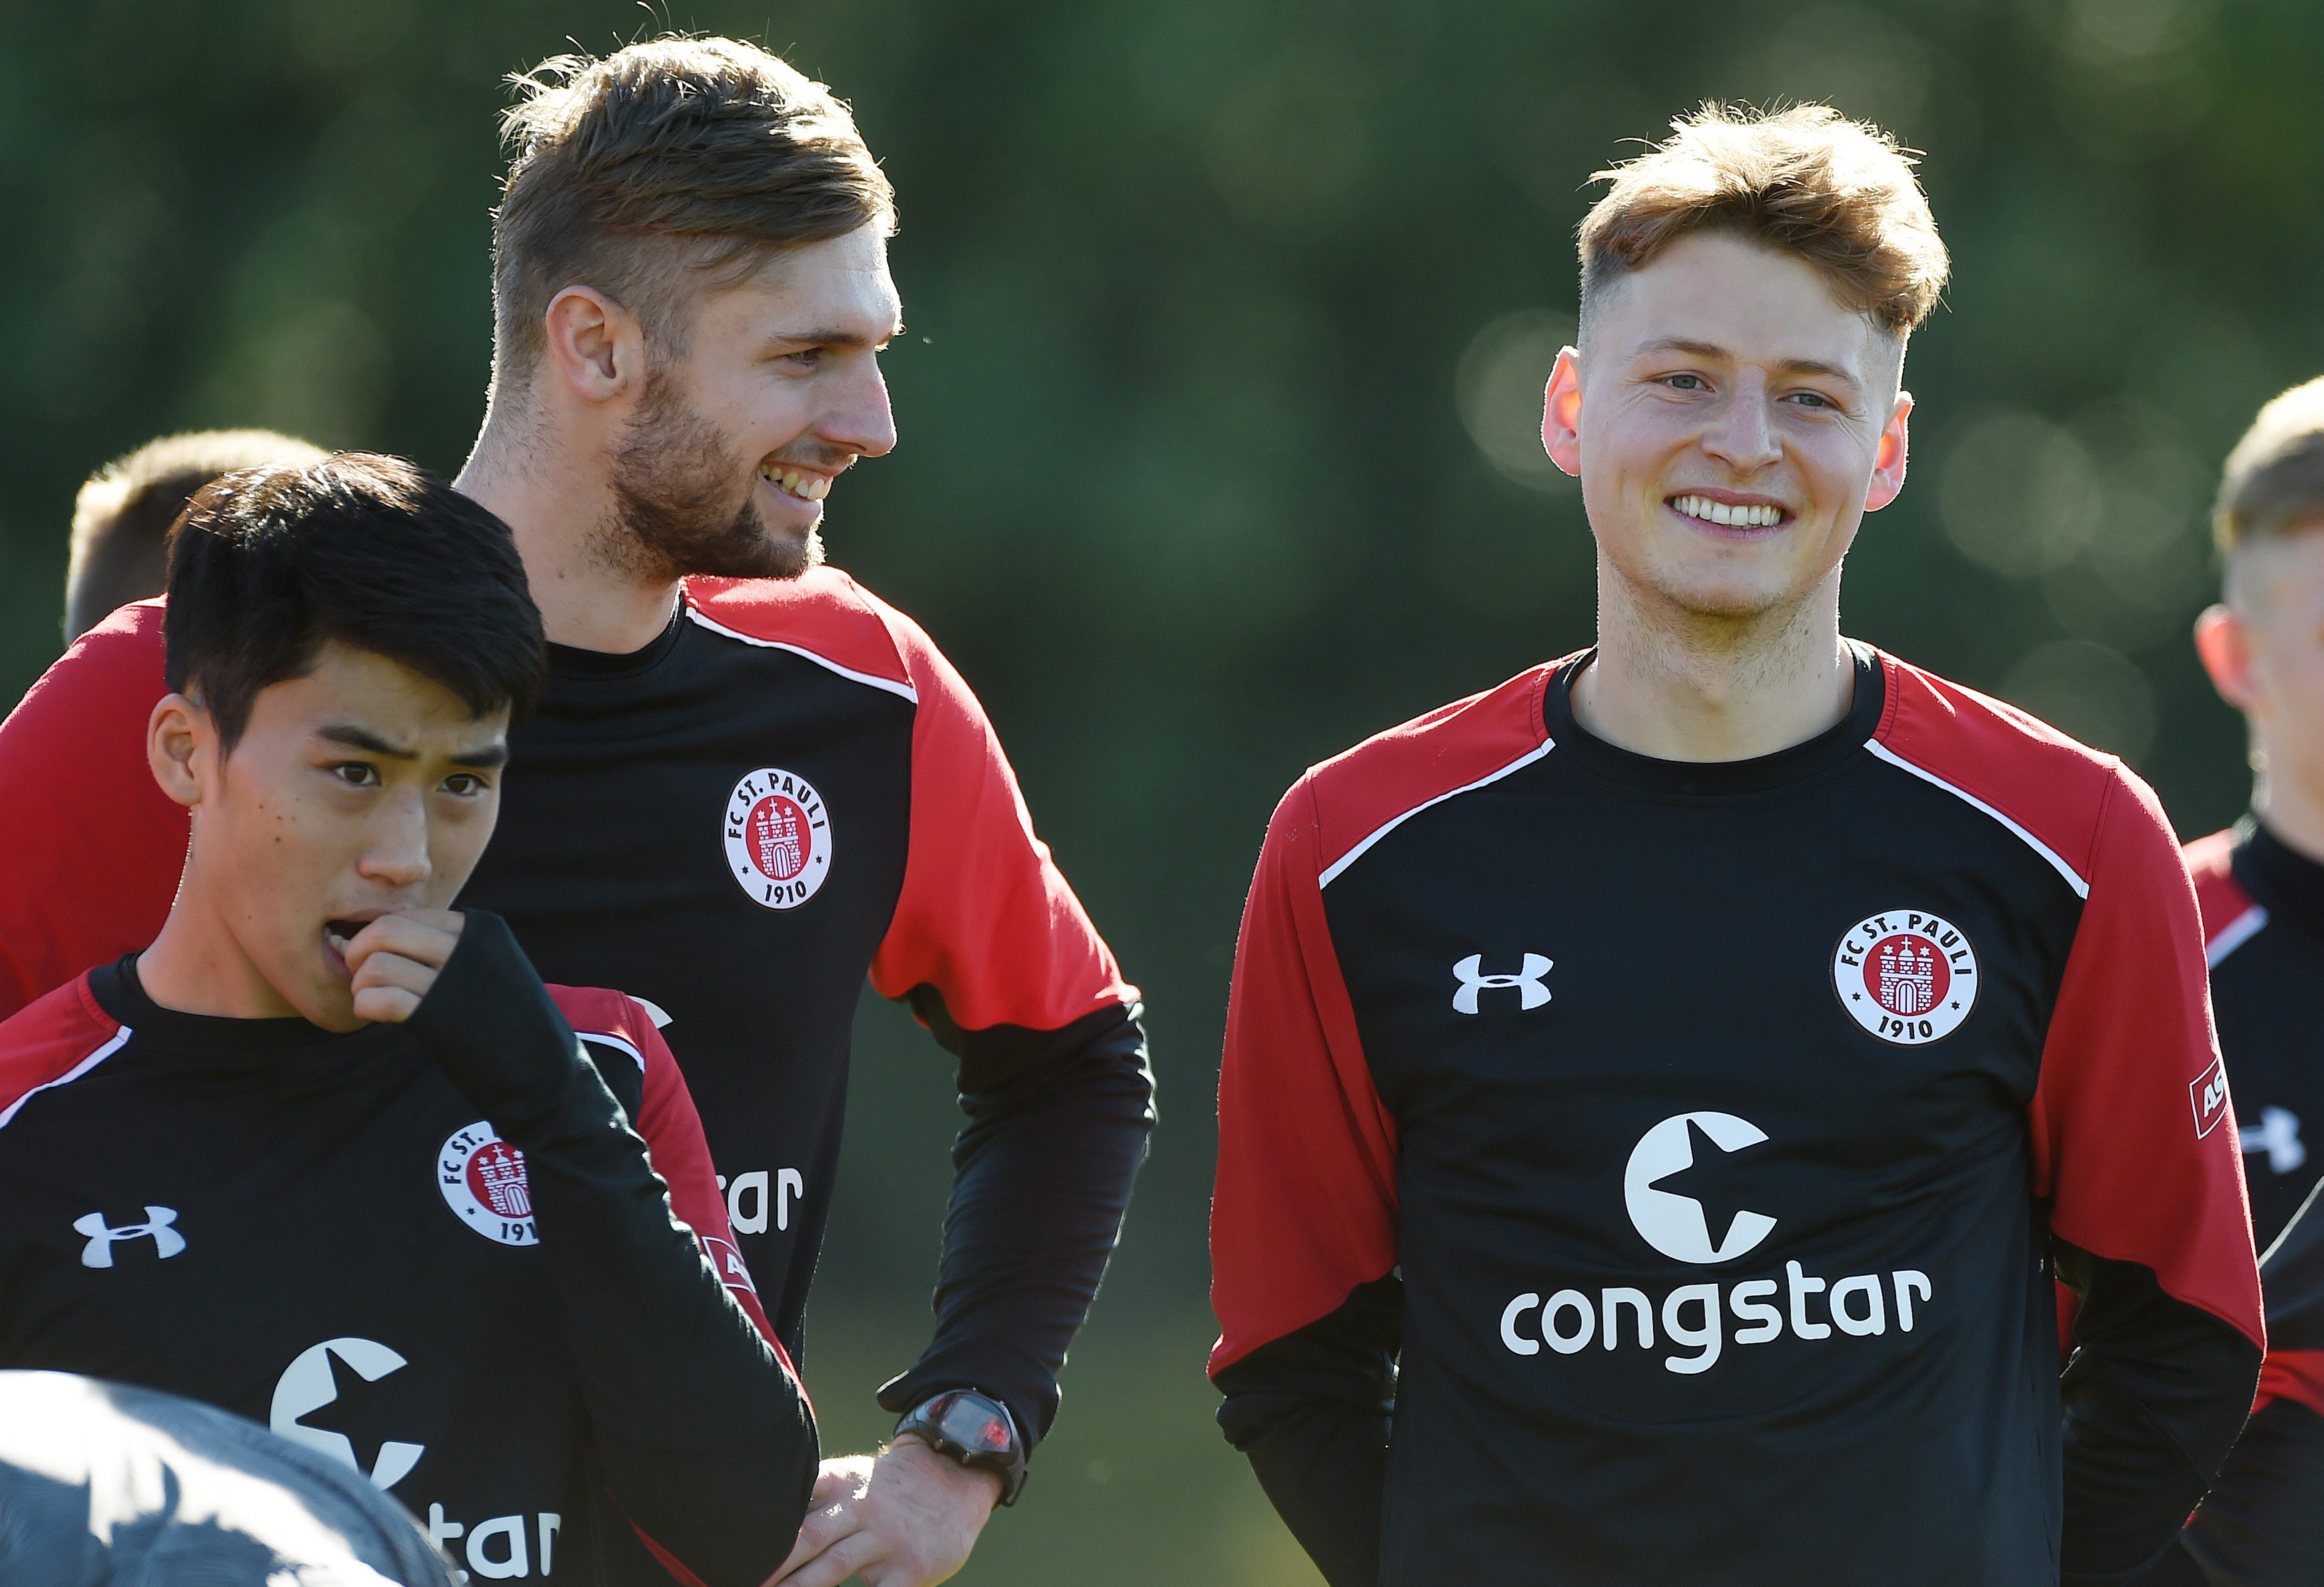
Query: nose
(861, 419)
(1742, 434)
(398, 851)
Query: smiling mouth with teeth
(1727, 516)
(806, 487)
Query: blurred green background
(1229, 323)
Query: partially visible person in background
(2261, 885)
(122, 516)
(104, 1483)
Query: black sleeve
(2155, 1395)
(1311, 1411)
(1057, 1124)
(700, 1430)
(2263, 1525)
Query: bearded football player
(2261, 885)
(1689, 1061)
(749, 782)
(327, 1154)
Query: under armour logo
(99, 1251)
(2277, 1134)
(1470, 972)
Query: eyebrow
(833, 337)
(1713, 350)
(357, 738)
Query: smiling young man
(1657, 1090)
(749, 783)
(327, 1154)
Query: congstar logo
(1673, 1220)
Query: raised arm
(702, 1434)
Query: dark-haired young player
(1690, 1057)
(2261, 886)
(121, 515)
(741, 792)
(327, 1154)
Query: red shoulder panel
(1363, 794)
(2133, 1131)
(985, 916)
(1306, 1207)
(673, 1135)
(2132, 1136)
(2217, 893)
(822, 613)
(1306, 1204)
(95, 847)
(55, 1041)
(2023, 770)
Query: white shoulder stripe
(607, 1039)
(1382, 831)
(69, 1075)
(2234, 935)
(889, 683)
(2073, 878)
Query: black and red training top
(1702, 1139)
(479, 1257)
(789, 790)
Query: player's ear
(1887, 482)
(175, 734)
(2224, 642)
(1561, 412)
(595, 345)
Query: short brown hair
(121, 517)
(1839, 194)
(2273, 482)
(673, 156)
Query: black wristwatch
(974, 1429)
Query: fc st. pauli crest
(1905, 975)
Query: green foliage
(1225, 316)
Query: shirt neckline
(1785, 768)
(2286, 882)
(214, 1039)
(571, 662)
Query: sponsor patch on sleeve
(2208, 1091)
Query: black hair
(269, 564)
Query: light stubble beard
(672, 513)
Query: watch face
(977, 1425)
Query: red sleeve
(2294, 1375)
(673, 1135)
(985, 916)
(1305, 1208)
(53, 1040)
(2134, 1135)
(94, 848)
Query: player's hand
(396, 958)
(907, 1517)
